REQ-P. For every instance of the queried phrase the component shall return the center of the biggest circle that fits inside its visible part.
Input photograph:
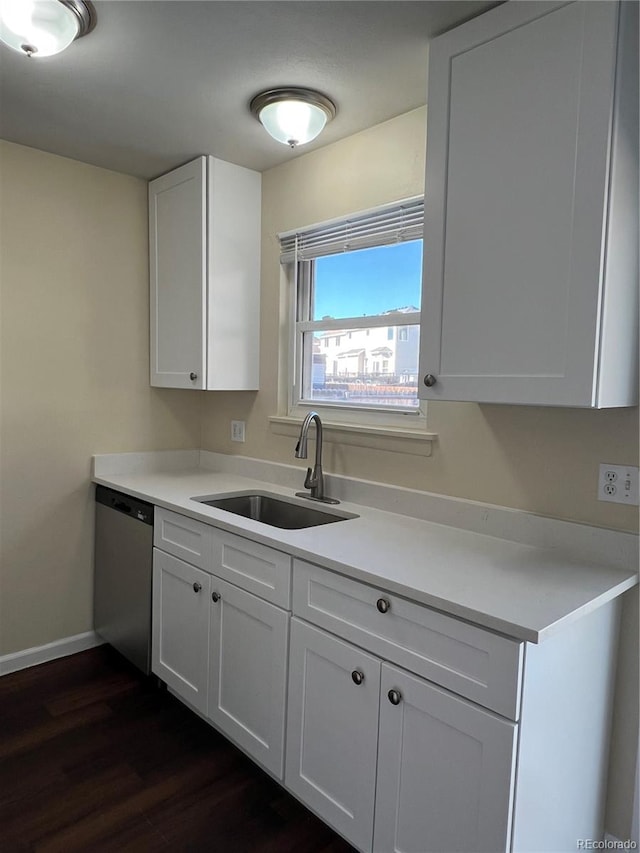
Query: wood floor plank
(60, 811)
(32, 738)
(93, 757)
(79, 696)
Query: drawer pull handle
(357, 676)
(395, 697)
(197, 587)
(215, 597)
(193, 376)
(383, 605)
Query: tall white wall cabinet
(531, 208)
(204, 240)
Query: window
(355, 290)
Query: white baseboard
(50, 651)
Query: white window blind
(393, 223)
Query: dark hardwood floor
(94, 757)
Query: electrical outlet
(619, 484)
(237, 430)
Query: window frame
(299, 282)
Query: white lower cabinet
(362, 734)
(180, 643)
(332, 730)
(221, 648)
(445, 771)
(248, 672)
(407, 730)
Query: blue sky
(369, 281)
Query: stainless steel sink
(274, 510)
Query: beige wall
(539, 459)
(74, 368)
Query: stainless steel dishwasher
(122, 575)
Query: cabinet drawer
(251, 566)
(184, 537)
(473, 662)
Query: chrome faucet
(314, 481)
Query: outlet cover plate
(237, 430)
(618, 484)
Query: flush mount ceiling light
(293, 116)
(44, 27)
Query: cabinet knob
(197, 587)
(193, 376)
(430, 380)
(215, 597)
(383, 605)
(394, 697)
(357, 676)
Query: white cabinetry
(407, 729)
(204, 240)
(445, 766)
(248, 672)
(446, 770)
(451, 772)
(220, 647)
(180, 645)
(332, 730)
(530, 287)
(475, 663)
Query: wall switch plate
(619, 484)
(237, 430)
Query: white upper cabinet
(204, 240)
(530, 290)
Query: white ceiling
(160, 81)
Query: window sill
(416, 442)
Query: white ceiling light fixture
(293, 116)
(44, 27)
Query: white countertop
(521, 590)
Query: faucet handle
(309, 481)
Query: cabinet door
(332, 730)
(519, 133)
(445, 771)
(248, 672)
(178, 271)
(180, 646)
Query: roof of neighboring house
(350, 352)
